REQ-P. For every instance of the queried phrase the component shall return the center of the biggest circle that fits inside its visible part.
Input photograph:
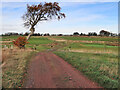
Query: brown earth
(47, 70)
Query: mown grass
(101, 68)
(89, 38)
(40, 40)
(9, 38)
(92, 47)
(40, 43)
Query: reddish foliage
(41, 12)
(20, 42)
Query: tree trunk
(32, 29)
(28, 37)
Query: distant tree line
(101, 33)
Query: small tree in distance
(41, 12)
(75, 33)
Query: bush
(20, 42)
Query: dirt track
(47, 70)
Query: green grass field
(91, 47)
(89, 38)
(34, 42)
(39, 43)
(98, 61)
(9, 38)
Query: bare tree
(41, 12)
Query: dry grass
(14, 68)
(110, 70)
(92, 51)
(5, 41)
(8, 53)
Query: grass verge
(101, 68)
(15, 68)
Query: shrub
(20, 42)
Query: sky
(82, 17)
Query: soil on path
(47, 70)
